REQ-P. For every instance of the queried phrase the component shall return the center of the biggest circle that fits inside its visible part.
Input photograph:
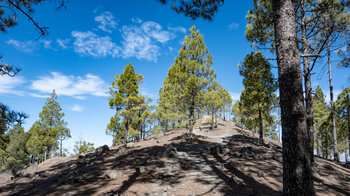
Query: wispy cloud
(90, 44)
(46, 43)
(177, 29)
(106, 22)
(233, 26)
(8, 85)
(24, 46)
(142, 39)
(63, 43)
(77, 108)
(73, 86)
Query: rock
(260, 174)
(225, 151)
(170, 151)
(236, 154)
(142, 169)
(215, 150)
(329, 167)
(102, 149)
(112, 174)
(123, 150)
(186, 164)
(246, 149)
(81, 160)
(73, 165)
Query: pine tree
(213, 101)
(343, 111)
(35, 143)
(259, 88)
(297, 173)
(51, 128)
(188, 78)
(237, 112)
(320, 112)
(313, 32)
(125, 100)
(227, 102)
(83, 147)
(15, 156)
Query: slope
(226, 161)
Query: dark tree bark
(334, 129)
(297, 174)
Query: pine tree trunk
(60, 147)
(126, 131)
(297, 174)
(318, 146)
(334, 129)
(191, 115)
(212, 120)
(307, 83)
(261, 129)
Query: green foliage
(132, 109)
(188, 78)
(237, 112)
(83, 147)
(15, 156)
(342, 106)
(49, 131)
(35, 144)
(258, 98)
(196, 8)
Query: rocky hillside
(226, 161)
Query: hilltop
(226, 161)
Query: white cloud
(8, 85)
(177, 29)
(233, 26)
(136, 20)
(154, 30)
(77, 87)
(46, 43)
(90, 44)
(107, 22)
(141, 40)
(77, 108)
(235, 96)
(63, 43)
(25, 46)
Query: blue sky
(91, 41)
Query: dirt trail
(225, 161)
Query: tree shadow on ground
(85, 175)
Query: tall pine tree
(259, 89)
(125, 100)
